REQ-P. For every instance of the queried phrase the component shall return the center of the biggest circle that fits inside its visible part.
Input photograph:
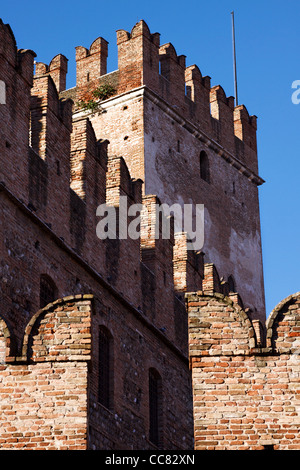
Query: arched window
(231, 284)
(155, 407)
(48, 291)
(105, 395)
(204, 167)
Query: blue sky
(267, 42)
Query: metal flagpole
(234, 60)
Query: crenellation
(51, 126)
(157, 255)
(25, 64)
(57, 69)
(8, 45)
(16, 71)
(211, 282)
(119, 182)
(122, 250)
(83, 151)
(91, 63)
(198, 91)
(138, 61)
(172, 69)
(234, 371)
(188, 265)
(245, 127)
(222, 112)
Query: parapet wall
(44, 392)
(53, 165)
(245, 386)
(16, 72)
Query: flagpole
(234, 60)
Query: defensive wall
(58, 164)
(245, 375)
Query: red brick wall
(43, 393)
(245, 397)
(16, 71)
(138, 346)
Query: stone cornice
(146, 92)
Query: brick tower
(166, 121)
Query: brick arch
(218, 325)
(140, 27)
(49, 333)
(283, 325)
(5, 341)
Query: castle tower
(189, 144)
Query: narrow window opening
(105, 395)
(88, 77)
(155, 407)
(204, 167)
(48, 291)
(178, 145)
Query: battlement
(142, 61)
(58, 332)
(70, 171)
(212, 310)
(66, 166)
(16, 75)
(57, 69)
(91, 63)
(241, 377)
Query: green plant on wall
(101, 93)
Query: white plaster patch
(2, 92)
